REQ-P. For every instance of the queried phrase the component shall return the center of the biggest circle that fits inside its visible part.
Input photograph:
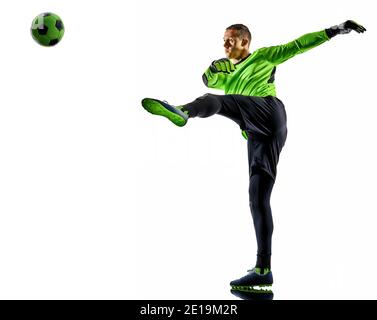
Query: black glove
(223, 65)
(345, 27)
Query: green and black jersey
(254, 75)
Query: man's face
(233, 45)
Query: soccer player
(250, 101)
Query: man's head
(237, 40)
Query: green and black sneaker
(257, 280)
(163, 108)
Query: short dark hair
(242, 30)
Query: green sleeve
(214, 80)
(281, 53)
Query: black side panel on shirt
(272, 77)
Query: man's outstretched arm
(281, 53)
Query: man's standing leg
(260, 189)
(266, 125)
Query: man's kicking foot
(162, 108)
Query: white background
(101, 200)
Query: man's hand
(345, 27)
(223, 65)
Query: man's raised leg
(202, 107)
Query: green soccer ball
(47, 29)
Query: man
(250, 100)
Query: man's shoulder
(261, 50)
(259, 53)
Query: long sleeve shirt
(254, 75)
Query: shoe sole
(253, 296)
(264, 288)
(157, 108)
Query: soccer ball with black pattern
(47, 29)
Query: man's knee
(207, 98)
(259, 190)
(208, 105)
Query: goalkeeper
(250, 101)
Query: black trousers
(265, 121)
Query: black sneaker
(257, 280)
